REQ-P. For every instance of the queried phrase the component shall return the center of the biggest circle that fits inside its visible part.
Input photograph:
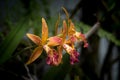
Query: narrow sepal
(44, 31)
(36, 53)
(34, 38)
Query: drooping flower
(69, 44)
(65, 44)
(54, 56)
(76, 36)
(72, 52)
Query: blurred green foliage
(101, 33)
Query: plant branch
(92, 30)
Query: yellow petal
(64, 28)
(34, 38)
(71, 30)
(64, 31)
(54, 41)
(67, 15)
(44, 31)
(60, 49)
(36, 53)
(68, 48)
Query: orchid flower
(54, 45)
(42, 44)
(73, 36)
(64, 44)
(76, 36)
(69, 46)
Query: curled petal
(54, 41)
(81, 37)
(74, 57)
(36, 53)
(34, 38)
(47, 49)
(44, 31)
(73, 53)
(67, 48)
(53, 59)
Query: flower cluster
(54, 45)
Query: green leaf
(10, 43)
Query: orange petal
(81, 37)
(54, 41)
(47, 49)
(34, 38)
(64, 32)
(36, 53)
(66, 12)
(68, 48)
(44, 31)
(60, 49)
(71, 30)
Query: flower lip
(53, 59)
(72, 52)
(74, 57)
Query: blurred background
(100, 61)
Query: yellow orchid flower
(38, 41)
(68, 45)
(72, 52)
(76, 36)
(73, 36)
(54, 57)
(60, 41)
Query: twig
(28, 73)
(92, 30)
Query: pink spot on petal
(53, 59)
(73, 38)
(74, 57)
